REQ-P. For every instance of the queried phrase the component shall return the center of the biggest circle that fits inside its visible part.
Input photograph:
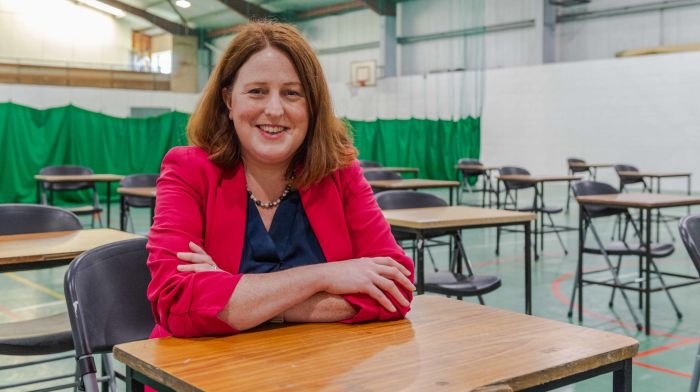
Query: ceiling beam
(170, 27)
(250, 11)
(334, 9)
(382, 7)
(225, 31)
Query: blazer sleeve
(185, 304)
(371, 236)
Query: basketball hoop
(362, 82)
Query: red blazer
(199, 201)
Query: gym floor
(665, 358)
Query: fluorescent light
(183, 3)
(104, 7)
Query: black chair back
(627, 179)
(391, 200)
(689, 228)
(67, 170)
(588, 188)
(365, 163)
(137, 181)
(382, 175)
(34, 218)
(105, 291)
(470, 172)
(569, 161)
(515, 170)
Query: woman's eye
(255, 91)
(293, 93)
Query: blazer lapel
(228, 216)
(323, 205)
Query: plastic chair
(514, 187)
(574, 170)
(105, 292)
(366, 163)
(627, 180)
(689, 228)
(452, 282)
(137, 181)
(49, 187)
(486, 186)
(42, 335)
(616, 248)
(381, 175)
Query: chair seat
(39, 336)
(619, 248)
(83, 210)
(459, 285)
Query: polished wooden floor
(665, 356)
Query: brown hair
(327, 146)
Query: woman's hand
(201, 261)
(369, 275)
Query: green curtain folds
(31, 139)
(433, 146)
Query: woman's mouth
(272, 129)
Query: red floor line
(556, 292)
(667, 347)
(9, 313)
(660, 369)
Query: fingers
(197, 249)
(389, 286)
(197, 268)
(395, 275)
(392, 263)
(381, 298)
(195, 258)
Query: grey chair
(616, 248)
(93, 210)
(511, 199)
(136, 181)
(41, 335)
(105, 291)
(452, 282)
(381, 175)
(366, 163)
(467, 174)
(573, 170)
(689, 227)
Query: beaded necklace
(270, 204)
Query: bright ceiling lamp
(183, 3)
(104, 7)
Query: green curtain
(433, 146)
(31, 139)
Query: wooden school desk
(147, 192)
(443, 344)
(415, 183)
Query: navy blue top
(290, 242)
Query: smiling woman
(267, 217)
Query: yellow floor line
(35, 285)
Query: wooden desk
(395, 169)
(588, 166)
(538, 183)
(106, 178)
(422, 221)
(41, 250)
(146, 192)
(416, 183)
(443, 344)
(646, 202)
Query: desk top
(652, 174)
(589, 165)
(534, 179)
(453, 216)
(413, 183)
(391, 169)
(639, 200)
(443, 342)
(79, 178)
(148, 191)
(476, 167)
(57, 245)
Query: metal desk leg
(647, 283)
(109, 204)
(132, 385)
(528, 270)
(541, 216)
(688, 208)
(420, 277)
(451, 189)
(38, 192)
(658, 211)
(622, 378)
(122, 213)
(579, 266)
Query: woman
(267, 217)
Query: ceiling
(215, 16)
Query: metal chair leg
(665, 289)
(561, 242)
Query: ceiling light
(183, 3)
(104, 7)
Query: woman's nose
(274, 106)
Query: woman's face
(268, 108)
